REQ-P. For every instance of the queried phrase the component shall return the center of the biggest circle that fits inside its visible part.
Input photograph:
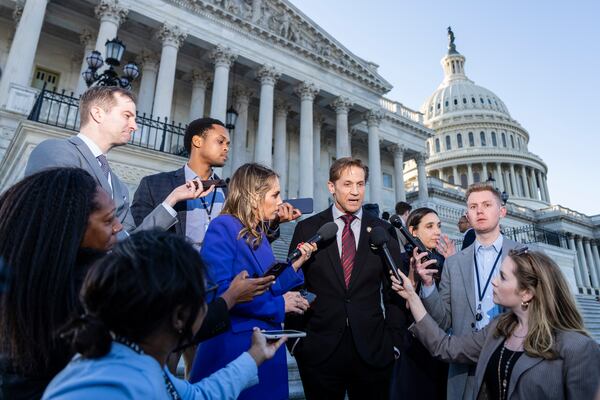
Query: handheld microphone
(412, 240)
(379, 238)
(324, 233)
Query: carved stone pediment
(279, 22)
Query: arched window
(451, 179)
(476, 177)
(448, 143)
(471, 139)
(459, 140)
(503, 139)
(463, 181)
(519, 142)
(428, 147)
(437, 145)
(455, 101)
(446, 103)
(494, 141)
(473, 100)
(482, 137)
(438, 105)
(512, 141)
(464, 100)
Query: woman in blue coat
(236, 241)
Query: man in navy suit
(353, 326)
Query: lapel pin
(369, 229)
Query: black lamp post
(114, 52)
(231, 118)
(504, 196)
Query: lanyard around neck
(489, 278)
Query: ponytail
(88, 336)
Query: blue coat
(225, 256)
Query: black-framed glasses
(210, 294)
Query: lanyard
(135, 347)
(487, 283)
(212, 203)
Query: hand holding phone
(278, 334)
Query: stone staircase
(590, 308)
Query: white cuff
(427, 290)
(169, 209)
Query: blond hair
(247, 189)
(483, 187)
(104, 97)
(551, 309)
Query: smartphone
(219, 183)
(276, 269)
(309, 296)
(305, 205)
(276, 335)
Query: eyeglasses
(210, 294)
(519, 251)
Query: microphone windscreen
(395, 221)
(328, 230)
(378, 236)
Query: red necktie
(348, 247)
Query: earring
(524, 305)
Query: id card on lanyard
(481, 293)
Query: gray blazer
(574, 374)
(73, 152)
(453, 305)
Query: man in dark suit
(353, 326)
(108, 120)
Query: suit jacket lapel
(333, 251)
(361, 250)
(466, 267)
(486, 353)
(94, 167)
(524, 363)
(178, 179)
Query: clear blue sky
(542, 58)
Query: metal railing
(533, 234)
(62, 110)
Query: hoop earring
(524, 305)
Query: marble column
(513, 181)
(538, 176)
(148, 62)
(585, 274)
(594, 245)
(421, 160)
(21, 56)
(342, 105)
(87, 39)
(319, 183)
(484, 172)
(242, 100)
(398, 151)
(111, 16)
(589, 256)
(525, 186)
(470, 179)
(572, 246)
(200, 82)
(307, 92)
(222, 57)
(268, 76)
(545, 184)
(374, 118)
(500, 178)
(280, 145)
(455, 175)
(171, 38)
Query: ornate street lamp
(230, 118)
(114, 52)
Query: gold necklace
(503, 383)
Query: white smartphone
(278, 334)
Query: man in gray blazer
(107, 117)
(463, 303)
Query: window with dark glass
(463, 181)
(464, 100)
(388, 181)
(471, 139)
(448, 143)
(512, 141)
(503, 139)
(494, 141)
(476, 177)
(455, 101)
(482, 137)
(437, 145)
(473, 99)
(459, 140)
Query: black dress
(417, 375)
